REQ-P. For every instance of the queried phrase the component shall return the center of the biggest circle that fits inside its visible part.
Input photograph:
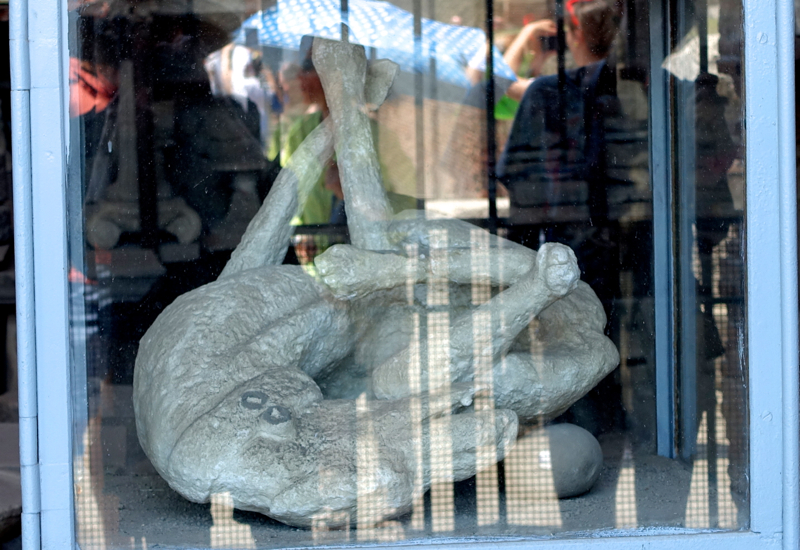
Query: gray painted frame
(663, 261)
(40, 117)
(39, 91)
(772, 267)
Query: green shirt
(398, 176)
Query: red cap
(571, 11)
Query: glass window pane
(490, 287)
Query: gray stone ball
(574, 458)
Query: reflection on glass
(486, 484)
(88, 495)
(322, 534)
(438, 327)
(698, 506)
(226, 531)
(184, 115)
(531, 498)
(625, 505)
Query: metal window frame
(40, 137)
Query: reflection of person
(318, 205)
(592, 27)
(556, 170)
(325, 202)
(564, 169)
(553, 163)
(92, 87)
(236, 71)
(528, 39)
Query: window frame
(39, 46)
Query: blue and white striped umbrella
(445, 49)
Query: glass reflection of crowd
(557, 171)
(175, 123)
(216, 142)
(570, 168)
(183, 134)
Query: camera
(549, 43)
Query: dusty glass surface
(384, 358)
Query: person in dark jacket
(554, 162)
(555, 167)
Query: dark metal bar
(661, 141)
(491, 127)
(630, 22)
(684, 212)
(433, 90)
(345, 20)
(148, 199)
(419, 119)
(561, 37)
(145, 168)
(701, 15)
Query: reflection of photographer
(538, 38)
(569, 165)
(559, 174)
(554, 163)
